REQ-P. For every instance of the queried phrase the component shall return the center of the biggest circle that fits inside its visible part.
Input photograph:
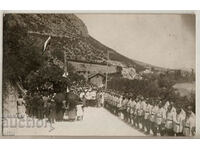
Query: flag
(45, 44)
(67, 90)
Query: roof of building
(96, 74)
(86, 62)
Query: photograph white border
(197, 13)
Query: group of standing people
(152, 115)
(92, 97)
(46, 106)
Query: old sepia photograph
(99, 75)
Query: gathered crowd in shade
(152, 116)
(62, 106)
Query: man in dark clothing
(52, 111)
(40, 107)
(28, 99)
(45, 99)
(48, 109)
(35, 105)
(59, 111)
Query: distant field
(185, 88)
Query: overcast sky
(161, 40)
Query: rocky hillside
(49, 24)
(68, 33)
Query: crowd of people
(51, 106)
(152, 115)
(60, 106)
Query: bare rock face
(61, 25)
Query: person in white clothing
(178, 122)
(153, 117)
(160, 119)
(21, 107)
(119, 105)
(79, 111)
(138, 113)
(143, 108)
(147, 116)
(183, 111)
(102, 99)
(132, 110)
(170, 117)
(166, 105)
(173, 106)
(189, 128)
(128, 109)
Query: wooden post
(106, 84)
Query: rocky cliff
(68, 33)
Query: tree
(47, 78)
(21, 54)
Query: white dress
(79, 110)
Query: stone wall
(92, 68)
(10, 96)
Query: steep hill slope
(68, 33)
